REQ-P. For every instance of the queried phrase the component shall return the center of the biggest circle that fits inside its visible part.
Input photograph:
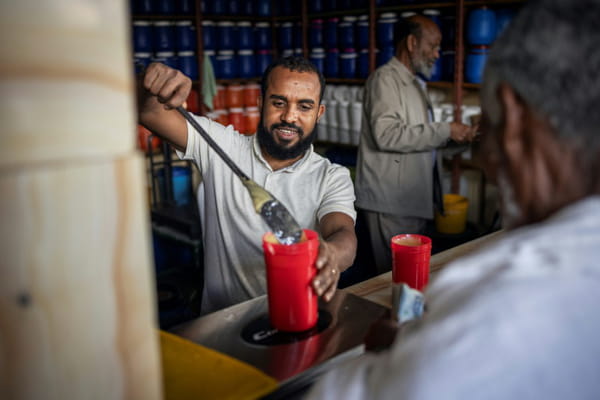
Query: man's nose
(290, 115)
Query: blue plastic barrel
(262, 35)
(475, 63)
(346, 32)
(188, 64)
(226, 64)
(164, 36)
(142, 36)
(481, 26)
(248, 7)
(332, 63)
(263, 60)
(331, 32)
(219, 7)
(448, 28)
(185, 7)
(315, 33)
(185, 32)
(143, 7)
(166, 57)
(317, 57)
(316, 6)
(247, 64)
(182, 185)
(362, 65)
(436, 72)
(385, 54)
(164, 7)
(385, 29)
(447, 58)
(286, 35)
(348, 60)
(245, 34)
(298, 34)
(263, 8)
(503, 18)
(234, 7)
(362, 32)
(226, 35)
(208, 35)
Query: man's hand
(337, 249)
(325, 283)
(462, 133)
(160, 90)
(170, 86)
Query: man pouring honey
(279, 157)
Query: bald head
(418, 41)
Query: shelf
(450, 85)
(162, 17)
(235, 81)
(355, 81)
(411, 7)
(331, 14)
(493, 2)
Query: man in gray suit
(397, 162)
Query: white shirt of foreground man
(233, 259)
(518, 319)
(489, 334)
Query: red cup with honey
(411, 254)
(293, 304)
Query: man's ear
(411, 43)
(512, 129)
(321, 111)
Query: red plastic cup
(290, 271)
(410, 260)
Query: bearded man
(397, 176)
(279, 157)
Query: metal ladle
(278, 218)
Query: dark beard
(274, 149)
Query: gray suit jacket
(395, 161)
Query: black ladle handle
(212, 143)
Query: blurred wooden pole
(77, 306)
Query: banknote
(407, 303)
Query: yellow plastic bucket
(455, 220)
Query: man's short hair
(550, 56)
(405, 27)
(293, 63)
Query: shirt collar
(258, 154)
(406, 76)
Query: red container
(234, 96)
(290, 271)
(252, 118)
(410, 260)
(236, 118)
(251, 94)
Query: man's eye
(278, 103)
(305, 107)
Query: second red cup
(410, 260)
(293, 304)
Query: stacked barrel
(76, 297)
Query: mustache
(288, 125)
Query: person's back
(517, 319)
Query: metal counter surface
(305, 355)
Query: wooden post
(77, 305)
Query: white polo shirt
(234, 268)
